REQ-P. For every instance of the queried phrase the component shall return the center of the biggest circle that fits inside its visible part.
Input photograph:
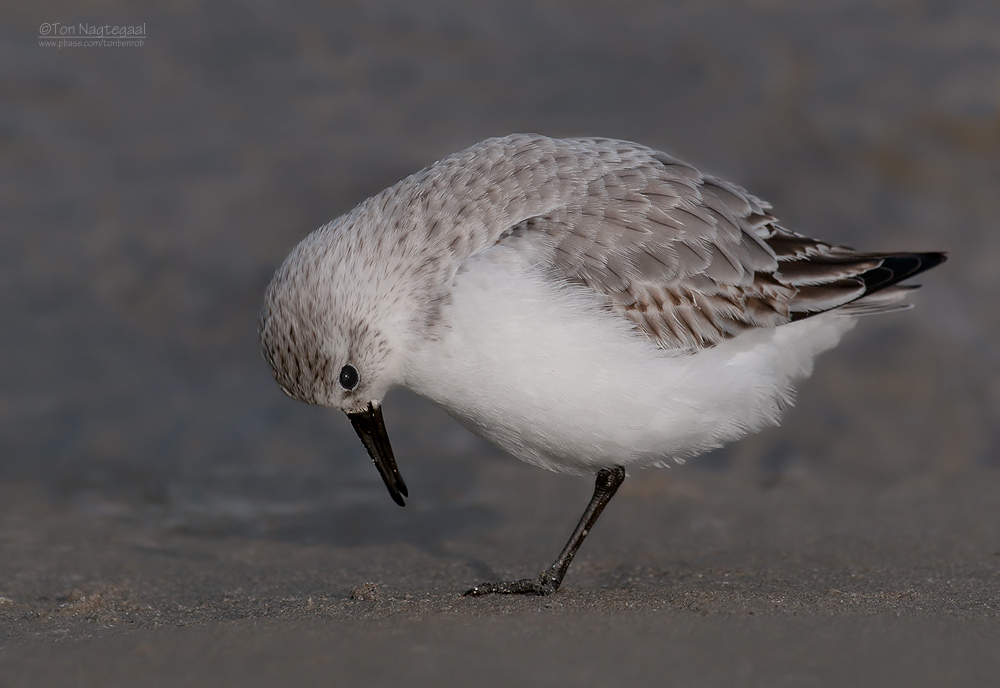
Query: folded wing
(691, 259)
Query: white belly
(549, 375)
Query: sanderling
(585, 304)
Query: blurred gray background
(152, 475)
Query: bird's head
(332, 329)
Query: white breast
(547, 373)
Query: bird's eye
(349, 377)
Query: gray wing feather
(688, 258)
(691, 259)
(677, 252)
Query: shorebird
(585, 304)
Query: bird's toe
(543, 585)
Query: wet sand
(699, 580)
(168, 517)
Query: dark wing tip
(897, 267)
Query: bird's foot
(545, 584)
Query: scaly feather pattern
(688, 258)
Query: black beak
(371, 429)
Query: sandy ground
(168, 517)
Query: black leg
(608, 481)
